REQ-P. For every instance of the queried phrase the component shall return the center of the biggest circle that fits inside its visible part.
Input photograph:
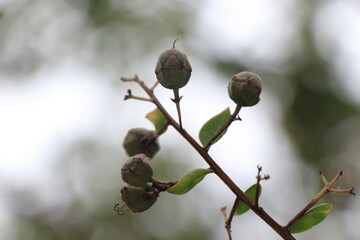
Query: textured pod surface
(244, 88)
(137, 199)
(173, 69)
(137, 170)
(141, 140)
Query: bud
(137, 198)
(137, 170)
(173, 69)
(141, 140)
(244, 88)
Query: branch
(176, 100)
(283, 232)
(258, 179)
(327, 189)
(229, 219)
(227, 226)
(131, 96)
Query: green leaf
(311, 218)
(251, 193)
(158, 119)
(211, 127)
(188, 181)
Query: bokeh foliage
(321, 122)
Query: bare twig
(227, 226)
(327, 189)
(229, 219)
(131, 96)
(176, 100)
(258, 180)
(154, 86)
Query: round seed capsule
(244, 88)
(137, 170)
(137, 198)
(173, 69)
(141, 140)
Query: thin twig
(258, 187)
(154, 86)
(137, 98)
(231, 216)
(326, 189)
(227, 227)
(129, 92)
(176, 100)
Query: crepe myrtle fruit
(138, 199)
(137, 170)
(173, 69)
(141, 140)
(244, 88)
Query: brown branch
(283, 232)
(258, 179)
(131, 96)
(227, 226)
(229, 219)
(326, 189)
(154, 86)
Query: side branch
(258, 179)
(229, 219)
(327, 189)
(131, 96)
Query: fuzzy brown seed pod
(138, 199)
(173, 69)
(244, 88)
(141, 140)
(137, 170)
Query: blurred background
(63, 118)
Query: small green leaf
(212, 126)
(158, 119)
(251, 193)
(311, 218)
(188, 181)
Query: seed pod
(173, 69)
(137, 170)
(137, 198)
(244, 88)
(141, 140)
